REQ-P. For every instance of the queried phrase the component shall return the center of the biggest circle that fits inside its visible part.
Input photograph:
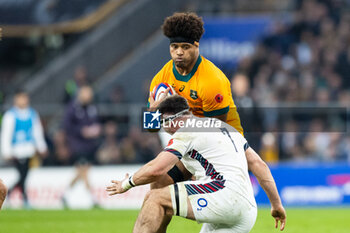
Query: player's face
(22, 100)
(184, 55)
(85, 95)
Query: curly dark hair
(173, 104)
(188, 25)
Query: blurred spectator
(241, 90)
(149, 146)
(81, 126)
(342, 66)
(83, 130)
(289, 141)
(72, 86)
(269, 151)
(109, 151)
(117, 95)
(21, 138)
(128, 150)
(62, 155)
(322, 96)
(344, 148)
(140, 147)
(317, 142)
(344, 98)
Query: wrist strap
(131, 181)
(128, 184)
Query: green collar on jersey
(186, 78)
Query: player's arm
(7, 128)
(38, 133)
(3, 192)
(148, 173)
(155, 168)
(263, 174)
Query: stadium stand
(45, 12)
(305, 61)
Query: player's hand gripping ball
(159, 91)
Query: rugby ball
(159, 91)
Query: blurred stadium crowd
(84, 133)
(304, 61)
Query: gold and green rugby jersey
(206, 88)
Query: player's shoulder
(10, 113)
(232, 130)
(236, 135)
(163, 73)
(210, 66)
(184, 133)
(167, 67)
(212, 72)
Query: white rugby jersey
(217, 154)
(21, 133)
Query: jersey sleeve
(216, 95)
(244, 142)
(179, 145)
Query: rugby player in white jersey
(221, 197)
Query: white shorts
(220, 208)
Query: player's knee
(155, 196)
(2, 185)
(152, 195)
(160, 197)
(147, 196)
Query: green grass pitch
(318, 220)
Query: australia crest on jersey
(193, 94)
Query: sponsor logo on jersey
(201, 203)
(182, 88)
